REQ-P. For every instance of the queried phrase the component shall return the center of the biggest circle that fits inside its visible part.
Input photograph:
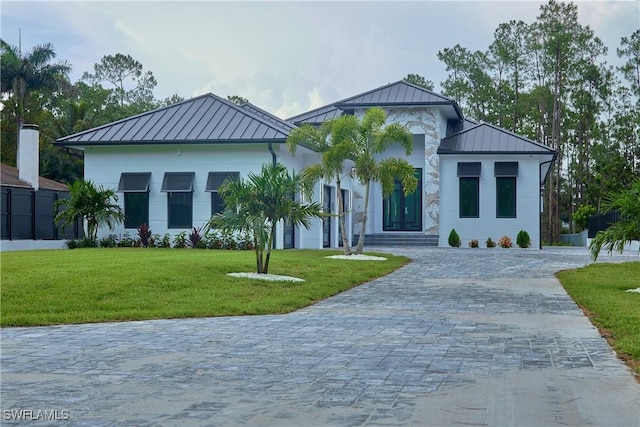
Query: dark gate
(27, 214)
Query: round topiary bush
(454, 239)
(523, 240)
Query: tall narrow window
(135, 186)
(214, 181)
(179, 189)
(506, 174)
(469, 189)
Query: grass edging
(599, 290)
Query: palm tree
(257, 204)
(627, 229)
(95, 206)
(21, 75)
(374, 139)
(335, 140)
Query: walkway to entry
(456, 337)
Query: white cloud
(285, 57)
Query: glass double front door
(403, 213)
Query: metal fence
(575, 239)
(602, 222)
(28, 215)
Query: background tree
(22, 75)
(372, 138)
(94, 205)
(418, 80)
(257, 204)
(236, 99)
(132, 87)
(334, 139)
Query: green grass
(105, 285)
(599, 289)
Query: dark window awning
(469, 169)
(134, 182)
(504, 169)
(215, 179)
(178, 182)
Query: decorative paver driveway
(471, 337)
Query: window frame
(178, 185)
(214, 181)
(469, 172)
(135, 184)
(506, 172)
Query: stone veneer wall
(427, 121)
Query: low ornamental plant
(196, 240)
(490, 243)
(505, 242)
(144, 235)
(523, 240)
(454, 239)
(474, 244)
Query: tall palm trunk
(360, 247)
(341, 219)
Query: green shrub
(165, 242)
(111, 241)
(490, 243)
(454, 239)
(523, 240)
(581, 216)
(180, 240)
(72, 244)
(126, 241)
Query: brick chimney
(28, 159)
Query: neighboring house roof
(204, 119)
(485, 138)
(9, 177)
(397, 94)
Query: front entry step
(399, 239)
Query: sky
(286, 57)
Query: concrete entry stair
(399, 239)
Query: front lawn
(599, 289)
(104, 285)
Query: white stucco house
(168, 163)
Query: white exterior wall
(103, 166)
(419, 121)
(487, 225)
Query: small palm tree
(257, 204)
(373, 139)
(627, 229)
(94, 205)
(335, 140)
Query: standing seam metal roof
(485, 138)
(204, 119)
(398, 93)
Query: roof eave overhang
(453, 105)
(117, 143)
(537, 153)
